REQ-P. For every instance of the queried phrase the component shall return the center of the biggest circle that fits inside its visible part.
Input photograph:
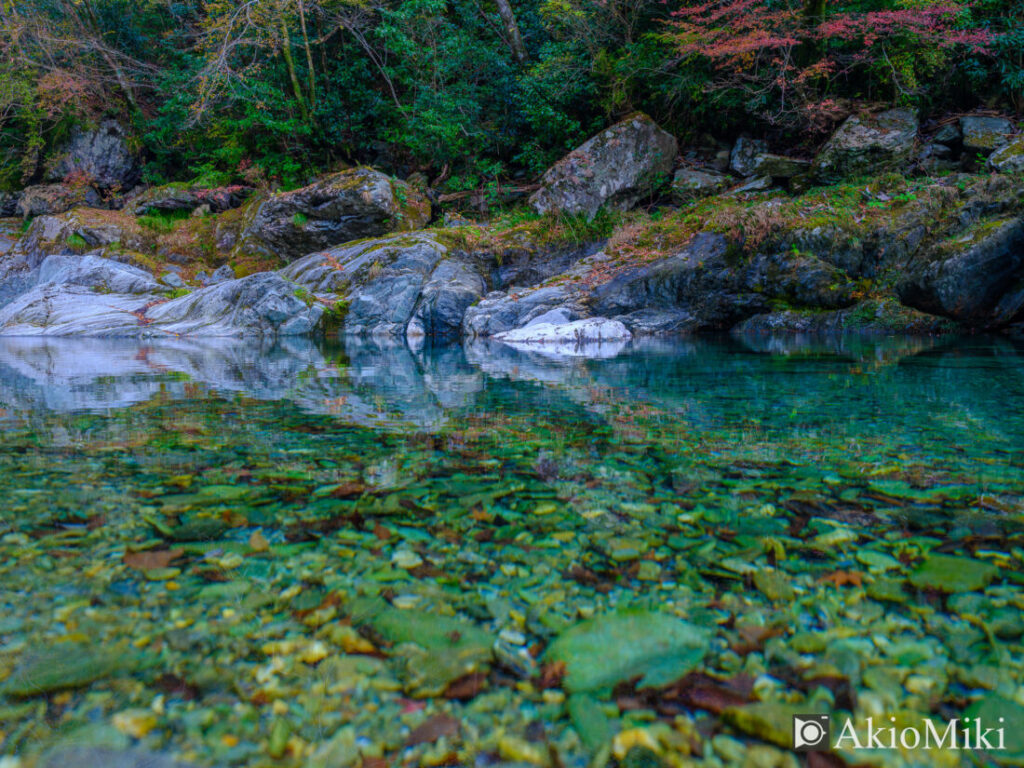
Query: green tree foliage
(470, 92)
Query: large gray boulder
(9, 204)
(82, 228)
(99, 156)
(615, 168)
(976, 279)
(340, 208)
(699, 279)
(49, 199)
(693, 184)
(101, 275)
(868, 144)
(264, 304)
(65, 309)
(452, 288)
(983, 135)
(744, 154)
(750, 157)
(401, 285)
(185, 197)
(573, 333)
(69, 295)
(1009, 158)
(499, 312)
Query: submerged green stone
(950, 574)
(610, 649)
(63, 667)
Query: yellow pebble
(172, 586)
(634, 737)
(314, 652)
(258, 542)
(229, 740)
(511, 748)
(135, 722)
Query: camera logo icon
(811, 733)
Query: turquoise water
(783, 495)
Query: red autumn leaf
(753, 637)
(152, 559)
(433, 729)
(552, 674)
(466, 687)
(844, 578)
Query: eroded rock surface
(615, 168)
(868, 144)
(337, 209)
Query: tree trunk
(515, 40)
(814, 11)
(309, 54)
(289, 60)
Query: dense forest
(473, 92)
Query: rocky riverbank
(884, 230)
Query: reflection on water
(796, 485)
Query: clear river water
(342, 553)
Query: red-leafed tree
(800, 64)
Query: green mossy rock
(62, 667)
(946, 573)
(431, 651)
(607, 650)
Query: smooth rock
(263, 304)
(594, 329)
(173, 280)
(501, 312)
(947, 573)
(601, 652)
(98, 297)
(62, 667)
(101, 757)
(452, 288)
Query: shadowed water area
(323, 554)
